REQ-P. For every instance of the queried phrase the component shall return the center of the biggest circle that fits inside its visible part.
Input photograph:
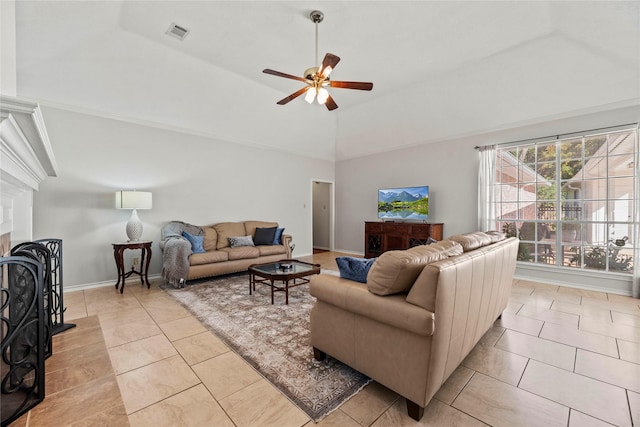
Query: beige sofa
(181, 264)
(411, 341)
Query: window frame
(524, 176)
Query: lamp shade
(133, 200)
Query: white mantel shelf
(26, 159)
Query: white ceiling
(441, 69)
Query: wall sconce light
(133, 200)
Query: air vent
(177, 31)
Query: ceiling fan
(317, 78)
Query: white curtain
(486, 188)
(635, 288)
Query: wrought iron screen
(42, 254)
(22, 322)
(57, 296)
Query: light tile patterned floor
(559, 356)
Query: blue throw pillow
(196, 242)
(277, 239)
(354, 268)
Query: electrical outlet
(136, 260)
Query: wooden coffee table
(290, 272)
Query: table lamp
(133, 200)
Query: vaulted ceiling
(441, 69)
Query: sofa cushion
(196, 242)
(355, 269)
(250, 226)
(277, 239)
(448, 247)
(496, 236)
(264, 236)
(471, 241)
(208, 257)
(210, 239)
(395, 271)
(242, 252)
(271, 250)
(226, 230)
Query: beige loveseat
(439, 307)
(180, 263)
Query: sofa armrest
(355, 297)
(286, 241)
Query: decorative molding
(26, 155)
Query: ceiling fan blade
(294, 95)
(285, 75)
(352, 85)
(330, 60)
(331, 104)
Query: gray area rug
(274, 339)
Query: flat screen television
(404, 203)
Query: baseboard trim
(344, 251)
(612, 283)
(94, 285)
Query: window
(571, 200)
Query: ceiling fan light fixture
(311, 94)
(317, 78)
(323, 95)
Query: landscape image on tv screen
(405, 203)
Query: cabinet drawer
(373, 227)
(396, 228)
(423, 229)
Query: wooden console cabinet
(380, 237)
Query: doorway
(322, 215)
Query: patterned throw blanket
(176, 250)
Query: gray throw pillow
(236, 242)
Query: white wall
(449, 169)
(193, 179)
(8, 47)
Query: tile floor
(559, 356)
